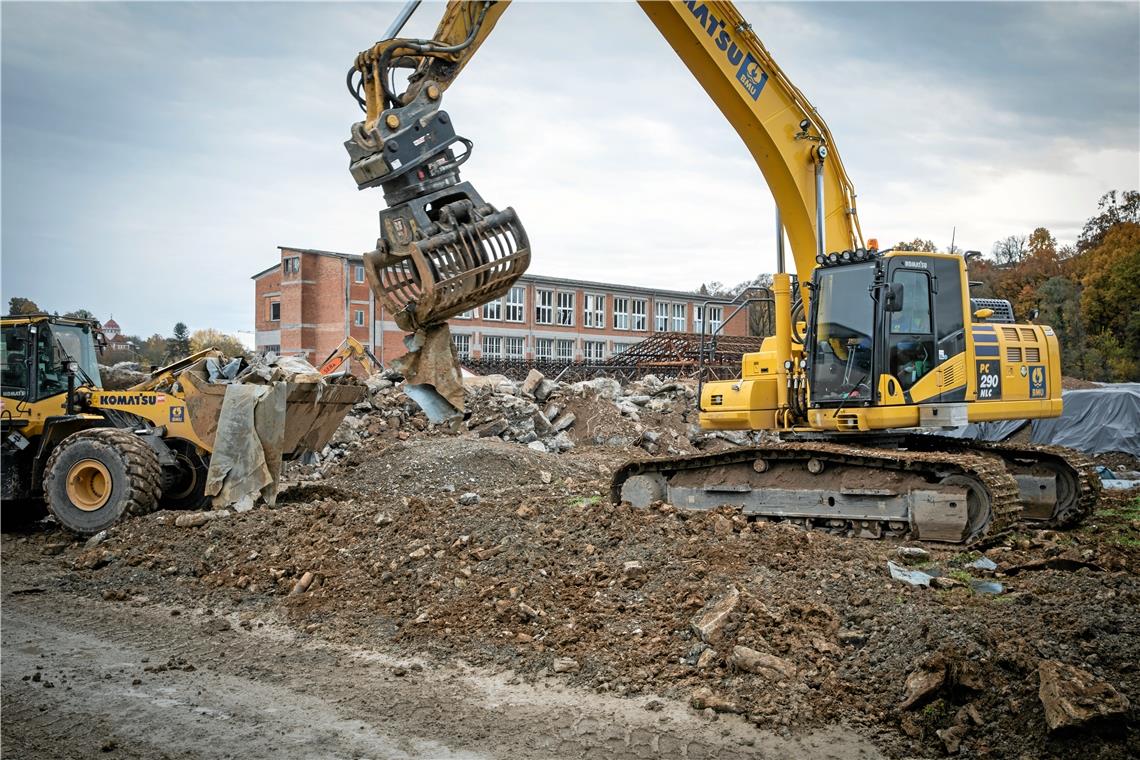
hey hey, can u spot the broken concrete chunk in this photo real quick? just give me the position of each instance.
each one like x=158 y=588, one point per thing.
x=709 y=623
x=195 y=519
x=912 y=555
x=564 y=422
x=1073 y=697
x=566 y=665
x=767 y=665
x=913 y=577
x=704 y=699
x=469 y=499
x=533 y=379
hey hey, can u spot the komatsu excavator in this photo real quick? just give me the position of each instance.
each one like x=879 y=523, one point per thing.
x=873 y=350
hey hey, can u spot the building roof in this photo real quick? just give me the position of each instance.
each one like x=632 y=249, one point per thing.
x=537 y=279
x=111 y=324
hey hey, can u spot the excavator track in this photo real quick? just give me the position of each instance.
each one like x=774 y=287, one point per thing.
x=857 y=491
x=1059 y=487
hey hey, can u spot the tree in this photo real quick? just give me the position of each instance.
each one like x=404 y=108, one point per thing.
x=80 y=314
x=1112 y=213
x=1110 y=300
x=17 y=306
x=178 y=345
x=1010 y=250
x=211 y=338
x=153 y=351
x=1060 y=305
x=918 y=244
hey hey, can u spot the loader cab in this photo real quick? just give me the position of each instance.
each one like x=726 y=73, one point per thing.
x=35 y=351
x=882 y=324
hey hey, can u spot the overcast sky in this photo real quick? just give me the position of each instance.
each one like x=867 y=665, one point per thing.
x=155 y=154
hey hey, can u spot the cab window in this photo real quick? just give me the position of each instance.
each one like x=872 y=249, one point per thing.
x=911 y=346
x=14 y=361
x=914 y=319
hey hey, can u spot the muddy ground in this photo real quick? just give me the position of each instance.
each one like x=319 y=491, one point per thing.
x=448 y=596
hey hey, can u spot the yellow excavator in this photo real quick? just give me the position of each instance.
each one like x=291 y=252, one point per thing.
x=874 y=350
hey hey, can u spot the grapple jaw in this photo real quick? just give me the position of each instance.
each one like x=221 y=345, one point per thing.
x=442 y=249
x=442 y=254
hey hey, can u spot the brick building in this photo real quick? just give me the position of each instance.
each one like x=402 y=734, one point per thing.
x=309 y=301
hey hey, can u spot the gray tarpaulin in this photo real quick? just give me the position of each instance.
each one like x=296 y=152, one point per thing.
x=1094 y=421
x=243 y=466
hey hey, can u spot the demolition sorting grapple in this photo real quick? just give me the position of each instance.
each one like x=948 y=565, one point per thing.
x=442 y=249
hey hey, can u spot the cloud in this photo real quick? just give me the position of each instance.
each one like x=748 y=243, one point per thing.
x=154 y=155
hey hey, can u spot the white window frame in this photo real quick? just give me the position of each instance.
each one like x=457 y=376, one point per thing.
x=639 y=314
x=716 y=318
x=621 y=313
x=594 y=310
x=515 y=304
x=593 y=350
x=620 y=348
x=564 y=349
x=271 y=317
x=565 y=311
x=661 y=316
x=469 y=314
x=514 y=347
x=679 y=317
x=359 y=274
x=544 y=348
x=543 y=307
x=493 y=310
x=358 y=318
x=292 y=265
x=491 y=340
x=462 y=343
x=698 y=318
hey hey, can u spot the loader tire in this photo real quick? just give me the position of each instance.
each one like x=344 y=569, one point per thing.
x=96 y=477
x=186 y=488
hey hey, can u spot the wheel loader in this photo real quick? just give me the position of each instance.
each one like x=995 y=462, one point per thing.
x=91 y=456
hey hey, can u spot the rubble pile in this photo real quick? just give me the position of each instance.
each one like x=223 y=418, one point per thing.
x=646 y=417
x=446 y=547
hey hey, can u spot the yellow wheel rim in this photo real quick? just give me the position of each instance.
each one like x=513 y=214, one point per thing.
x=88 y=485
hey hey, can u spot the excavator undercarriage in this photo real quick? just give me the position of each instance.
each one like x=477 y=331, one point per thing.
x=923 y=487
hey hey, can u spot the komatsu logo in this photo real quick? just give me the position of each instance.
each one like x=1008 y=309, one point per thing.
x=748 y=71
x=110 y=399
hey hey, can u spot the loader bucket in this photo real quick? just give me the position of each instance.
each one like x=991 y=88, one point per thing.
x=472 y=255
x=313 y=412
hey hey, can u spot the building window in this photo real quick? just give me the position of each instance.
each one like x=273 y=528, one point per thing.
x=679 y=317
x=462 y=345
x=544 y=307
x=359 y=273
x=566 y=308
x=492 y=347
x=593 y=350
x=639 y=315
x=716 y=318
x=594 y=310
x=621 y=313
x=660 y=316
x=516 y=302
x=698 y=318
x=469 y=314
x=514 y=347
x=493 y=310
x=274 y=311
x=358 y=319
x=621 y=348
x=566 y=350
x=291 y=265
x=544 y=348
x=271 y=348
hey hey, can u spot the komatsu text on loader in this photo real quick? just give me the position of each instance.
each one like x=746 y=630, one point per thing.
x=873 y=349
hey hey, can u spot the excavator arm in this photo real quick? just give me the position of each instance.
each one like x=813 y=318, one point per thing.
x=787 y=138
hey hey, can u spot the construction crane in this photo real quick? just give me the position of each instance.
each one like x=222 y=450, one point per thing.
x=873 y=349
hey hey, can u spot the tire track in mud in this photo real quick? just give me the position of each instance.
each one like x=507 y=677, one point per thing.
x=216 y=691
